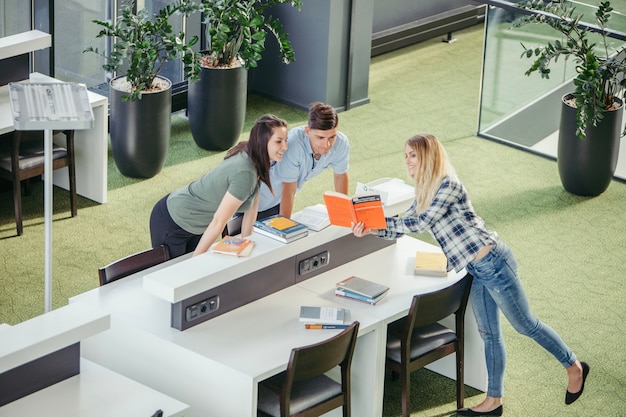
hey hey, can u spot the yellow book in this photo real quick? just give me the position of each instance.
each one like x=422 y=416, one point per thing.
x=431 y=264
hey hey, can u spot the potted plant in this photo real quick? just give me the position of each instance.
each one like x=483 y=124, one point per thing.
x=140 y=99
x=235 y=35
x=591 y=116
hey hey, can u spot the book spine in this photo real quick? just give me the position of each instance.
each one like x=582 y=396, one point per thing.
x=343 y=287
x=222 y=252
x=354 y=296
x=287 y=233
x=270 y=234
x=360 y=199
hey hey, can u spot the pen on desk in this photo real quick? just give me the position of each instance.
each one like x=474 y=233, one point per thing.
x=326 y=326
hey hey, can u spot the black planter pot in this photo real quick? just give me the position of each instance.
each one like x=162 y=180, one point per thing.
x=140 y=132
x=216 y=107
x=586 y=167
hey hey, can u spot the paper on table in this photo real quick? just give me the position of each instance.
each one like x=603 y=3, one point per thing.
x=314 y=217
x=392 y=190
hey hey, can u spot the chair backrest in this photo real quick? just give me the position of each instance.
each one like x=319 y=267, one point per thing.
x=430 y=308
x=133 y=263
x=313 y=360
x=309 y=361
x=233 y=226
x=22 y=158
x=23 y=155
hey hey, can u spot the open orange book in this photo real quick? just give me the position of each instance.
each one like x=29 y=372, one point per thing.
x=344 y=210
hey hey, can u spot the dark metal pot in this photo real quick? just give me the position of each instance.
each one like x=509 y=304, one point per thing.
x=586 y=166
x=216 y=107
x=140 y=132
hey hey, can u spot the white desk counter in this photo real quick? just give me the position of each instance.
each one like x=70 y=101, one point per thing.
x=48 y=333
x=91 y=146
x=210 y=270
x=95 y=392
x=216 y=365
x=393 y=267
x=91 y=392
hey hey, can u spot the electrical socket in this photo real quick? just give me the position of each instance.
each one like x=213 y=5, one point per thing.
x=313 y=263
x=201 y=309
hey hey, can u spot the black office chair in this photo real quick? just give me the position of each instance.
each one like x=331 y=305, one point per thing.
x=417 y=340
x=233 y=226
x=22 y=158
x=133 y=263
x=304 y=390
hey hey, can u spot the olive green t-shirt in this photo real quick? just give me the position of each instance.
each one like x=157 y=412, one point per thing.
x=193 y=206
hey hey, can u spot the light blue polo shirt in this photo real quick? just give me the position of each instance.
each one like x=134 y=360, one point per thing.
x=299 y=165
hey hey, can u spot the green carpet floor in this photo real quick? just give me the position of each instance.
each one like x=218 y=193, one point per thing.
x=571 y=250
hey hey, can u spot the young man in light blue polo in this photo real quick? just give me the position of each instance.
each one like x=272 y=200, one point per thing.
x=312 y=149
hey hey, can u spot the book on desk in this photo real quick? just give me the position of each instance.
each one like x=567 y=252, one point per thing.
x=281 y=228
x=360 y=289
x=234 y=246
x=434 y=264
x=322 y=315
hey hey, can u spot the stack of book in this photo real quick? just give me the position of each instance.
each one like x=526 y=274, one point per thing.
x=235 y=246
x=281 y=228
x=323 y=317
x=360 y=289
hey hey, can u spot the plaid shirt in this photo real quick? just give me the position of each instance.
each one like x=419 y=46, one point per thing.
x=451 y=220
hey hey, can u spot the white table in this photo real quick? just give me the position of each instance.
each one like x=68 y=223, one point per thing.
x=91 y=146
x=95 y=392
x=394 y=267
x=215 y=366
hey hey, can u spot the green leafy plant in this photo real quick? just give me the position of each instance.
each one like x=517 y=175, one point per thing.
x=236 y=32
x=600 y=74
x=146 y=43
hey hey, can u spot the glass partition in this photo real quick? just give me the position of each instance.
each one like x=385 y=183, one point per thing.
x=524 y=111
x=14 y=17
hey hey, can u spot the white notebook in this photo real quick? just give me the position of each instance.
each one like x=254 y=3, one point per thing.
x=323 y=315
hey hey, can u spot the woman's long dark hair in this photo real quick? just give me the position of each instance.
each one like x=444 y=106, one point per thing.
x=256 y=145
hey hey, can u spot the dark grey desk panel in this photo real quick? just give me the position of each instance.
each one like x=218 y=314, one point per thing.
x=255 y=285
x=39 y=373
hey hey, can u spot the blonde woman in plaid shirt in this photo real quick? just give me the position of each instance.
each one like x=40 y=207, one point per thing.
x=442 y=207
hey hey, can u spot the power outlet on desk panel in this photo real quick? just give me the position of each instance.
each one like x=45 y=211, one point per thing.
x=313 y=263
x=202 y=308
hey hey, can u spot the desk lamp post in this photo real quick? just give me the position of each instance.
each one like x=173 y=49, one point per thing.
x=48 y=107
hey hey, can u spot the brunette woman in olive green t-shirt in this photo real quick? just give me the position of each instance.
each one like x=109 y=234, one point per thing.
x=192 y=217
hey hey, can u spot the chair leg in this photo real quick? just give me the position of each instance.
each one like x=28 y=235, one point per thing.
x=15 y=177
x=17 y=205
x=460 y=374
x=69 y=134
x=405 y=377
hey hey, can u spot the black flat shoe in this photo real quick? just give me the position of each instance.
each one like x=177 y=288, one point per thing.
x=570 y=397
x=469 y=412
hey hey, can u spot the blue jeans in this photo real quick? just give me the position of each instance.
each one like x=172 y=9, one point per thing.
x=496 y=287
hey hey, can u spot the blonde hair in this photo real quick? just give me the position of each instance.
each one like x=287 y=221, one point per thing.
x=432 y=166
